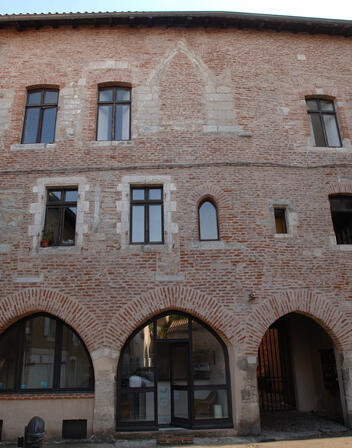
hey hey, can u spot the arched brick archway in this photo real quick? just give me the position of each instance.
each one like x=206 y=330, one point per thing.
x=53 y=302
x=180 y=298
x=300 y=301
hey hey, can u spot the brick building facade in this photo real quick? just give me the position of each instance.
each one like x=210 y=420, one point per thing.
x=195 y=109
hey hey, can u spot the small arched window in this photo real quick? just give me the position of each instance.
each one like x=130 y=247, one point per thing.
x=42 y=354
x=208 y=221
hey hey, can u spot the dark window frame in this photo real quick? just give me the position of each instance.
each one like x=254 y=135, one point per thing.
x=320 y=113
x=146 y=202
x=113 y=103
x=61 y=205
x=342 y=236
x=207 y=199
x=224 y=422
x=56 y=389
x=42 y=106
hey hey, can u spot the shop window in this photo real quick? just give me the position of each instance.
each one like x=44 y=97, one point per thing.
x=40 y=116
x=60 y=217
x=147 y=224
x=114 y=113
x=33 y=360
x=280 y=220
x=208 y=221
x=173 y=371
x=341 y=214
x=323 y=122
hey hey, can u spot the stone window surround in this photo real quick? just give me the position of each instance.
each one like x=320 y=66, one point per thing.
x=38 y=209
x=123 y=207
x=291 y=217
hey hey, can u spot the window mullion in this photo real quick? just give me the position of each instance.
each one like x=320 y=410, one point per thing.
x=57 y=355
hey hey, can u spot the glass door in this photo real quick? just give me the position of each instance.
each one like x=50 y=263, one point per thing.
x=180 y=384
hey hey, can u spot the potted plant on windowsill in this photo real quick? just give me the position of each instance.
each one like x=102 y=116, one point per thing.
x=47 y=238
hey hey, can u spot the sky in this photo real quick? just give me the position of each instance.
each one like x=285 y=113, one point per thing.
x=337 y=9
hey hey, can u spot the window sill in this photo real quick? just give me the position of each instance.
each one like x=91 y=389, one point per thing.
x=58 y=250
x=32 y=146
x=45 y=395
x=215 y=245
x=341 y=247
x=329 y=149
x=147 y=247
x=110 y=143
x=282 y=235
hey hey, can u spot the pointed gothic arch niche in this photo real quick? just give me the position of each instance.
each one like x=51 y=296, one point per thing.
x=297 y=371
x=181 y=94
x=42 y=354
x=173 y=371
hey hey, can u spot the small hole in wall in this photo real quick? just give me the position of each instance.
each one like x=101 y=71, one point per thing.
x=74 y=429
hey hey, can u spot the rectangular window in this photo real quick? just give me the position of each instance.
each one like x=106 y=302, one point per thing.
x=114 y=113
x=147 y=215
x=341 y=214
x=323 y=122
x=60 y=218
x=280 y=220
x=40 y=116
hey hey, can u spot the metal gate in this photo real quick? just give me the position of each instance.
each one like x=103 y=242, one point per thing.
x=275 y=384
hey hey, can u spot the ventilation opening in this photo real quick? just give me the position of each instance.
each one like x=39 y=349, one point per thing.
x=1 y=430
x=280 y=220
x=74 y=429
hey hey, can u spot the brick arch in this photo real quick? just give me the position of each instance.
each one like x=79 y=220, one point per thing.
x=36 y=300
x=340 y=188
x=300 y=301
x=188 y=300
x=208 y=189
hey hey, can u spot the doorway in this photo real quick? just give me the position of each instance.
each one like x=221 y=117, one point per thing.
x=297 y=374
x=173 y=372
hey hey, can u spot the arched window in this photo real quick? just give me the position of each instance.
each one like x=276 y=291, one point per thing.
x=208 y=221
x=173 y=371
x=42 y=354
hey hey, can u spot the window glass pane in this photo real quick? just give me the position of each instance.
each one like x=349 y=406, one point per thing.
x=318 y=134
x=138 y=224
x=210 y=404
x=326 y=105
x=106 y=95
x=122 y=122
x=48 y=125
x=75 y=370
x=68 y=234
x=50 y=97
x=331 y=130
x=71 y=195
x=207 y=357
x=8 y=345
x=173 y=326
x=341 y=214
x=123 y=95
x=138 y=194
x=31 y=124
x=180 y=403
x=136 y=405
x=179 y=364
x=38 y=356
x=54 y=196
x=208 y=226
x=312 y=104
x=155 y=223
x=51 y=228
x=104 y=122
x=280 y=220
x=137 y=364
x=33 y=98
x=154 y=193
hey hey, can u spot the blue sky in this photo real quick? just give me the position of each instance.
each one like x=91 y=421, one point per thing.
x=338 y=9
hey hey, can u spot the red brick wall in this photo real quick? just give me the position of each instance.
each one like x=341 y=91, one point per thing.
x=104 y=292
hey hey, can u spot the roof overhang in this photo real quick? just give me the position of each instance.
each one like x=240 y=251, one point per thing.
x=181 y=19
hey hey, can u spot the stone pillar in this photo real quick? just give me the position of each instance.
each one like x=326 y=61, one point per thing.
x=105 y=370
x=245 y=401
x=346 y=371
